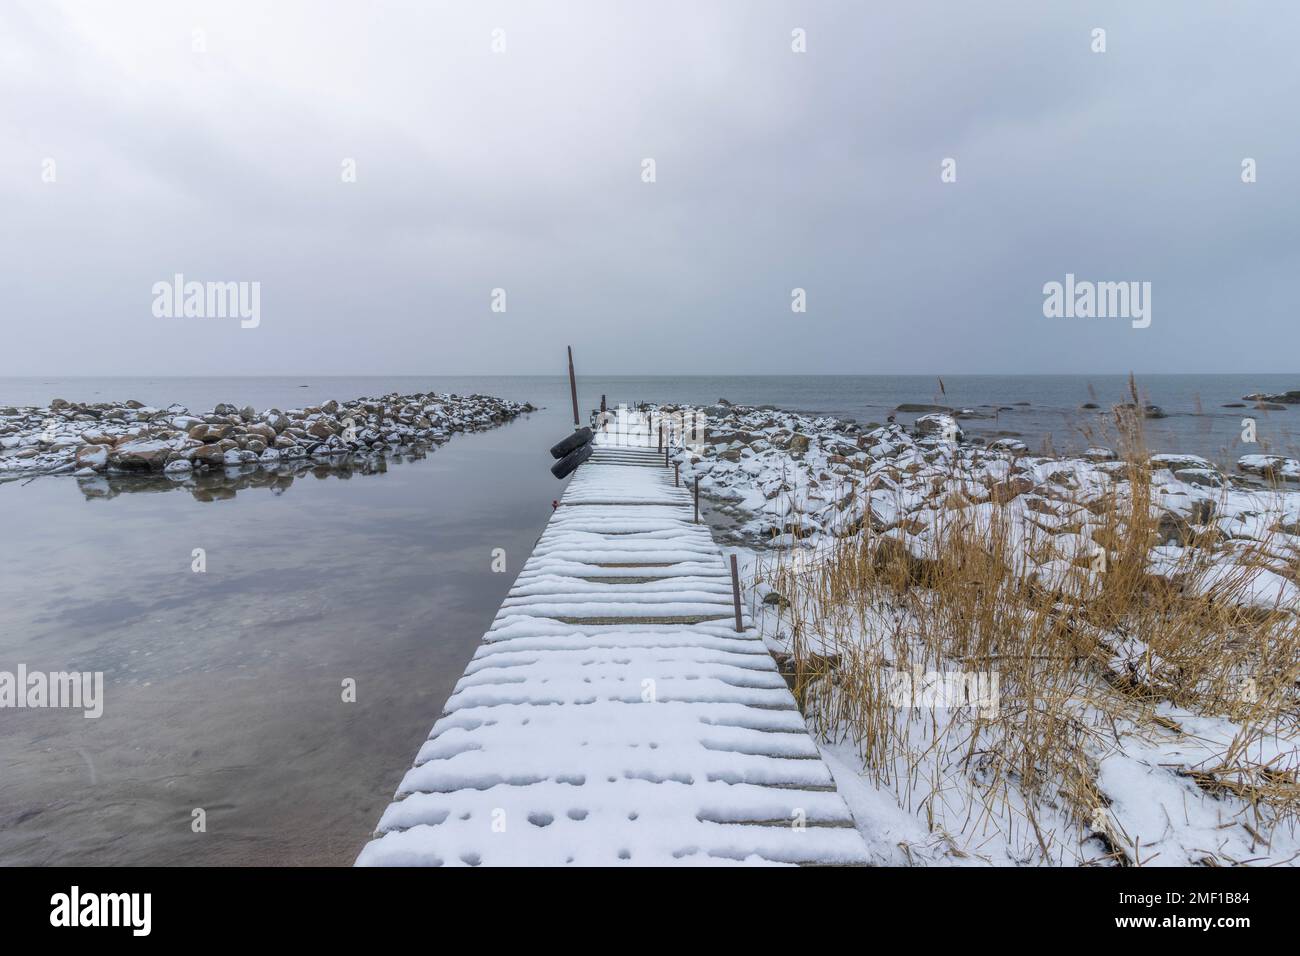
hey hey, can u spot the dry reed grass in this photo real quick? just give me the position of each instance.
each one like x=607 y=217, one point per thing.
x=1076 y=655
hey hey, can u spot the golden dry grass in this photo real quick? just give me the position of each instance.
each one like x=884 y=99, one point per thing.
x=1074 y=655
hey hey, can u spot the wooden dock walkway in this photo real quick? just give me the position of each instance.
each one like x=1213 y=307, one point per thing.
x=613 y=714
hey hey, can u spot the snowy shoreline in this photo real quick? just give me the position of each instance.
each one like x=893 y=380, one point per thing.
x=780 y=478
x=129 y=438
x=1172 y=775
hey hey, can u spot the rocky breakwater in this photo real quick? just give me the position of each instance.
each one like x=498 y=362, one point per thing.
x=1275 y=402
x=782 y=479
x=130 y=438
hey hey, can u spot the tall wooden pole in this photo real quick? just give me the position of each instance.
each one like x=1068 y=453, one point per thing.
x=697 y=499
x=735 y=592
x=573 y=390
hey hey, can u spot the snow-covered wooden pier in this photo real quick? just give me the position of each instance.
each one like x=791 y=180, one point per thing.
x=613 y=713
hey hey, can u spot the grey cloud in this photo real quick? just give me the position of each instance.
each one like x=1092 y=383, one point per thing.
x=521 y=171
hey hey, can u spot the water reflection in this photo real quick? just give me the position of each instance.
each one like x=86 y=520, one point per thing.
x=222 y=688
x=224 y=484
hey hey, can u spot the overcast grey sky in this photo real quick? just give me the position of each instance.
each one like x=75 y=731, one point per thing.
x=522 y=170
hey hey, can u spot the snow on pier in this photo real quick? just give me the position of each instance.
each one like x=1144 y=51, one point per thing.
x=613 y=714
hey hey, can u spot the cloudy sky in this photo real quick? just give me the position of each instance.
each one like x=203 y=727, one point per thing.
x=522 y=170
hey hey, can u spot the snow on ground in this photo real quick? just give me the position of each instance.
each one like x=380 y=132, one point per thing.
x=777 y=480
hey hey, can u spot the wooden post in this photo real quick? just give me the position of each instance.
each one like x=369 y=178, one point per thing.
x=735 y=592
x=697 y=499
x=602 y=403
x=665 y=456
x=677 y=474
x=573 y=390
x=661 y=435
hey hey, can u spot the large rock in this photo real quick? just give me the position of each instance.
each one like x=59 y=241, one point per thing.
x=1148 y=411
x=209 y=454
x=1177 y=462
x=93 y=456
x=210 y=433
x=277 y=420
x=1272 y=467
x=726 y=438
x=938 y=426
x=141 y=455
x=1201 y=477
x=320 y=428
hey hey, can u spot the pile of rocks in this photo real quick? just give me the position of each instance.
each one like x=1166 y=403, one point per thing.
x=1285 y=398
x=780 y=478
x=1273 y=403
x=133 y=438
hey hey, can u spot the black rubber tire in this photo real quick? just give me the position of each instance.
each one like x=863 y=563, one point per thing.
x=579 y=437
x=571 y=461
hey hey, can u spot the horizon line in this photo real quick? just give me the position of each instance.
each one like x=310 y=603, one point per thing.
x=581 y=375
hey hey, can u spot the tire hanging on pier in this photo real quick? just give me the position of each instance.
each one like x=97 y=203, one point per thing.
x=572 y=460
x=580 y=437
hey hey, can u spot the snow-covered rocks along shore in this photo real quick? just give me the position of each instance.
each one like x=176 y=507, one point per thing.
x=1178 y=689
x=779 y=478
x=129 y=438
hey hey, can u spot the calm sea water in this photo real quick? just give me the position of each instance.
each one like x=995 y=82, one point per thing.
x=223 y=689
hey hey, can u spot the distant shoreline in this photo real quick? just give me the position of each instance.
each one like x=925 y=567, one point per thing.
x=1201 y=415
